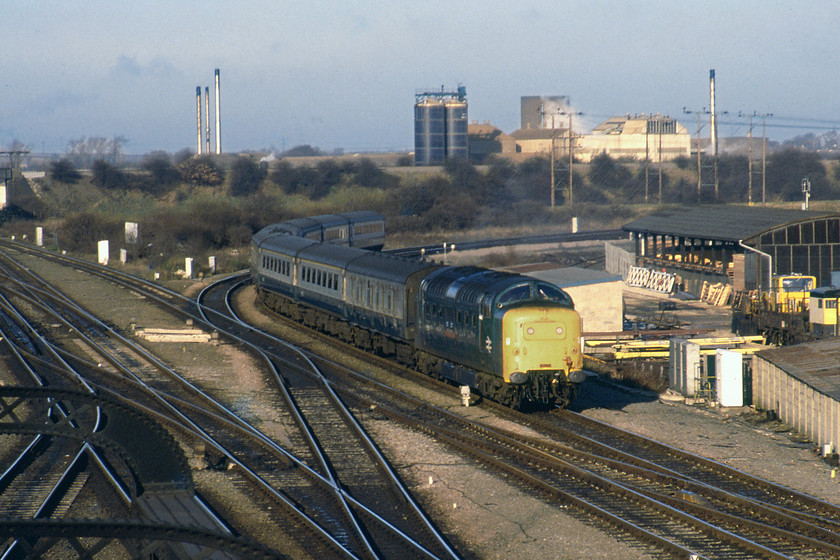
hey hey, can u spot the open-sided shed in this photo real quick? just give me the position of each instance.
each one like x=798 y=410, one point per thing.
x=739 y=245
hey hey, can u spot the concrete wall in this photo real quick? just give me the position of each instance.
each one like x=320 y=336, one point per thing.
x=619 y=257
x=601 y=306
x=797 y=404
x=598 y=295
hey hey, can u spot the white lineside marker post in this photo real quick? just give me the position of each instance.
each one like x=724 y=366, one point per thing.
x=465 y=395
x=102 y=252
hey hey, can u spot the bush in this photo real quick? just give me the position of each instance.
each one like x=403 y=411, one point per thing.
x=244 y=177
x=107 y=176
x=200 y=170
x=64 y=171
x=82 y=232
x=160 y=166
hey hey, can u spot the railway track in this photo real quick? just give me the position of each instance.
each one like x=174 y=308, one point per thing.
x=706 y=506
x=676 y=503
x=153 y=487
x=329 y=509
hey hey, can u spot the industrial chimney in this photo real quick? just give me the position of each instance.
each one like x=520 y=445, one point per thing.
x=218 y=118
x=714 y=115
x=198 y=115
x=207 y=115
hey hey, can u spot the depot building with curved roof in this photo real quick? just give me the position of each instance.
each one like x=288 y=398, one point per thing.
x=740 y=245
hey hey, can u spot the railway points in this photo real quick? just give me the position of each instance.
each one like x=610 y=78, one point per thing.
x=445 y=490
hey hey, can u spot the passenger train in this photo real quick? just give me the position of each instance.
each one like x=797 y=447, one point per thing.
x=364 y=228
x=511 y=338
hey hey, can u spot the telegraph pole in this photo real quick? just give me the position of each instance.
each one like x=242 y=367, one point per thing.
x=764 y=156
x=749 y=163
x=699 y=165
x=647 y=156
x=571 y=151
x=553 y=181
x=553 y=188
x=659 y=126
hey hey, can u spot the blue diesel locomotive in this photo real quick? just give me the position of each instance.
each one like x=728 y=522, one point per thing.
x=510 y=338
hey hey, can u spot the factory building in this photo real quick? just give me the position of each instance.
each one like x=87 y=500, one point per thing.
x=652 y=138
x=641 y=137
x=536 y=110
x=542 y=140
x=485 y=140
x=440 y=126
x=738 y=245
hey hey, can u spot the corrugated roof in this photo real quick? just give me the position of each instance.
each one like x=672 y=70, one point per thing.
x=816 y=364
x=720 y=222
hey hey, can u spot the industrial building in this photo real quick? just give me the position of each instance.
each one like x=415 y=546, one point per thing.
x=801 y=384
x=440 y=126
x=738 y=245
x=652 y=138
x=542 y=140
x=535 y=110
x=485 y=140
x=642 y=137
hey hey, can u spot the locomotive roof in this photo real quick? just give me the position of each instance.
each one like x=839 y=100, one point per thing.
x=469 y=283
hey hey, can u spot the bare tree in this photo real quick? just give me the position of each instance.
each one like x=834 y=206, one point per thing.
x=84 y=151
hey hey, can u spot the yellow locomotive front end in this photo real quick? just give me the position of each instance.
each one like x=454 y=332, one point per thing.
x=541 y=340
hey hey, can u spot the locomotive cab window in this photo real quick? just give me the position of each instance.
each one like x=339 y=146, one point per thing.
x=552 y=293
x=514 y=294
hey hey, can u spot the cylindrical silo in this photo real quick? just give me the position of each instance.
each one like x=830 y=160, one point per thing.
x=456 y=129
x=429 y=132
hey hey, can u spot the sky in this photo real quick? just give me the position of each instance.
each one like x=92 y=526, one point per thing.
x=342 y=75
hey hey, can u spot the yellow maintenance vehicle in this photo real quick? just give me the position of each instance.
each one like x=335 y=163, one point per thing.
x=781 y=314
